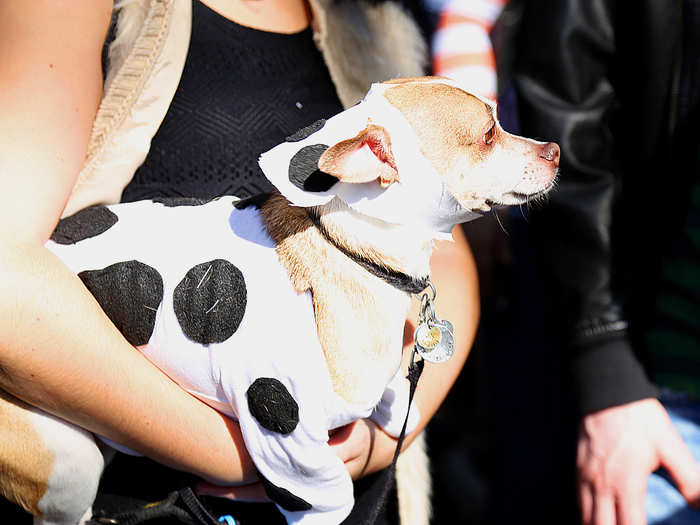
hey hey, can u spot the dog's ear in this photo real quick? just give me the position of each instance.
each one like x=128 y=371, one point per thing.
x=365 y=157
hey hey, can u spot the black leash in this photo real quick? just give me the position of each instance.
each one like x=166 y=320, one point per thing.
x=395 y=278
x=181 y=506
x=415 y=370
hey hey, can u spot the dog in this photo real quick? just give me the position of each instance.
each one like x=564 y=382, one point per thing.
x=287 y=313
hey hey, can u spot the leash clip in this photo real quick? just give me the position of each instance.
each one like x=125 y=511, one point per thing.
x=434 y=338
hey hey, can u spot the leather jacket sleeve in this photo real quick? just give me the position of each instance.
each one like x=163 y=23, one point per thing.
x=562 y=75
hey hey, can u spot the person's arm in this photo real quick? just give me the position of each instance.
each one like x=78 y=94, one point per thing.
x=58 y=350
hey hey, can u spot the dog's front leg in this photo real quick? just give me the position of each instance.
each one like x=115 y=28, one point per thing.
x=48 y=466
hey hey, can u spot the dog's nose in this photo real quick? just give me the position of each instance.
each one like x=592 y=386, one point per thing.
x=550 y=152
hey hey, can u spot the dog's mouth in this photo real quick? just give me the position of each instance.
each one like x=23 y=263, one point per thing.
x=511 y=198
x=516 y=197
x=523 y=197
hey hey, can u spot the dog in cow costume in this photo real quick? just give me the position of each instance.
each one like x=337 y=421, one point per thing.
x=288 y=315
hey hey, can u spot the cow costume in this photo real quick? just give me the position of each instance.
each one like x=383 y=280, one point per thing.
x=198 y=288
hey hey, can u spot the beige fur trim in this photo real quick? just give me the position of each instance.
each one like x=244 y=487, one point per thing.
x=146 y=60
x=142 y=31
x=364 y=43
x=130 y=18
x=414 y=484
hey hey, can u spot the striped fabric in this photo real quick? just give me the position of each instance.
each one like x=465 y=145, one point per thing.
x=462 y=47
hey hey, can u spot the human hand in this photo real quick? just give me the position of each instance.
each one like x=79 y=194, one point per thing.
x=617 y=450
x=354 y=443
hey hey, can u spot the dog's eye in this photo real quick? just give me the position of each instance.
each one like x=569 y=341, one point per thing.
x=488 y=136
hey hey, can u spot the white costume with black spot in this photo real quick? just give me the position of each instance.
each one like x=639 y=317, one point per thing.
x=276 y=338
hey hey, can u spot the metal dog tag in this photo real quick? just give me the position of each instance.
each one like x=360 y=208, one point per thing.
x=434 y=341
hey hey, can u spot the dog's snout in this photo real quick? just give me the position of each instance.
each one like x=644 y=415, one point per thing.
x=550 y=152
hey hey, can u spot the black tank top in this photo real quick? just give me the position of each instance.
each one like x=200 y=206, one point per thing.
x=242 y=92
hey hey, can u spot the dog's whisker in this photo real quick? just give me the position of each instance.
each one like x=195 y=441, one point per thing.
x=498 y=220
x=522 y=212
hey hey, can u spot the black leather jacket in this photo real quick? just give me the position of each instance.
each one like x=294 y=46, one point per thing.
x=598 y=77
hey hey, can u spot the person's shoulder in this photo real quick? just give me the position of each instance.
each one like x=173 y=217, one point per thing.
x=88 y=17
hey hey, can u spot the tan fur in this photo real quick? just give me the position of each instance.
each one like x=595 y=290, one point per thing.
x=449 y=122
x=358 y=337
x=412 y=80
x=25 y=464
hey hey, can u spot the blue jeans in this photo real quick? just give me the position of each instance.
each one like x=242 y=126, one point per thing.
x=664 y=505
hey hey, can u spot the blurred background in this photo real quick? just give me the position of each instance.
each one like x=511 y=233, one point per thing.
x=503 y=444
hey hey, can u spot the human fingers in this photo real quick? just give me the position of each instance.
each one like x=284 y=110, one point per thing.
x=347 y=441
x=629 y=507
x=683 y=467
x=253 y=492
x=603 y=509
x=353 y=444
x=585 y=501
x=595 y=477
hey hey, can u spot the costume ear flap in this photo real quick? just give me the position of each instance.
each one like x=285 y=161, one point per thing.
x=363 y=158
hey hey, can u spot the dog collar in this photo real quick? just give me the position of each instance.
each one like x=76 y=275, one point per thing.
x=399 y=280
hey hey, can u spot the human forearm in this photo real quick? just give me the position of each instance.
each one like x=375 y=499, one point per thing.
x=59 y=351
x=455 y=279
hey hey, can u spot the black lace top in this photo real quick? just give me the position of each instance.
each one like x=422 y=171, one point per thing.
x=242 y=92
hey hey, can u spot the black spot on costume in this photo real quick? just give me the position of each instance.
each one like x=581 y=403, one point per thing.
x=84 y=224
x=306 y=131
x=210 y=301
x=173 y=202
x=256 y=201
x=304 y=172
x=283 y=497
x=272 y=405
x=129 y=293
